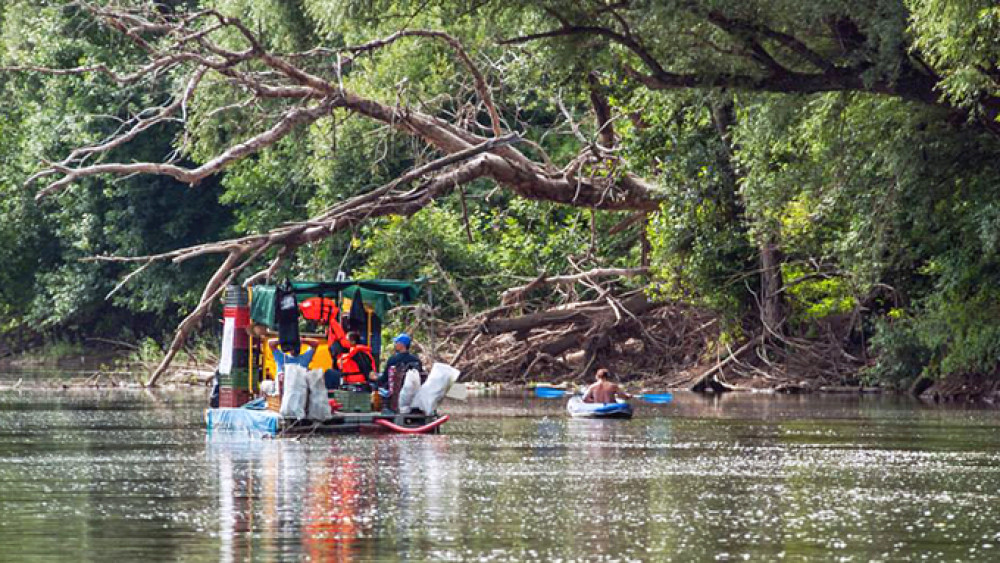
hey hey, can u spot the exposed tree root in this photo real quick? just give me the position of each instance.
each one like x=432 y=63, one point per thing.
x=963 y=389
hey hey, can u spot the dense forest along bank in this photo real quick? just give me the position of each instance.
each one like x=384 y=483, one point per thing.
x=699 y=194
x=130 y=475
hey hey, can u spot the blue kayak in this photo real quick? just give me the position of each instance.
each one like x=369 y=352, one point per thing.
x=578 y=409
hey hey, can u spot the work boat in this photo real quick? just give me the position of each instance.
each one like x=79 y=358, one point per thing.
x=251 y=397
x=579 y=409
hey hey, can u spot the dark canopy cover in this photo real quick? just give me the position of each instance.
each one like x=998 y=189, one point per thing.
x=380 y=294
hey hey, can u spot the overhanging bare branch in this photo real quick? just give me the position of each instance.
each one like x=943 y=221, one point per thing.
x=291 y=120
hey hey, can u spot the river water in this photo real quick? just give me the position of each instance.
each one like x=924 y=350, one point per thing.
x=131 y=475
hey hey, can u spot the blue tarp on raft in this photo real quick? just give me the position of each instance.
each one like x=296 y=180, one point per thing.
x=242 y=420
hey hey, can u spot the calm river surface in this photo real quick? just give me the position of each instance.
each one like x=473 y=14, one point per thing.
x=131 y=475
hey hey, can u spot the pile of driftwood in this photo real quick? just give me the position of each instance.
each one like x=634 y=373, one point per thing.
x=664 y=344
x=634 y=338
x=568 y=340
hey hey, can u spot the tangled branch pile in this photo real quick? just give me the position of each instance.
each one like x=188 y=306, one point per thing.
x=632 y=336
x=611 y=327
x=664 y=344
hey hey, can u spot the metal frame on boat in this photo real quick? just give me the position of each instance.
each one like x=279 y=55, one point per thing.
x=368 y=423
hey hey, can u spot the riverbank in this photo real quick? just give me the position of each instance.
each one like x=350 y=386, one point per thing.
x=63 y=378
x=103 y=363
x=122 y=365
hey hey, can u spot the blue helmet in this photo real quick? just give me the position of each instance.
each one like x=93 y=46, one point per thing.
x=403 y=339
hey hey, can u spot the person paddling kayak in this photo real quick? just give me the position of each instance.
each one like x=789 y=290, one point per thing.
x=604 y=390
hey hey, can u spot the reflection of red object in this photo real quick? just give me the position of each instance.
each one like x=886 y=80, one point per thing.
x=335 y=405
x=418 y=430
x=323 y=310
x=337 y=495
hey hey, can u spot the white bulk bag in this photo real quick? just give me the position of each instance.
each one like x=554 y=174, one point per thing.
x=319 y=402
x=296 y=387
x=411 y=385
x=433 y=390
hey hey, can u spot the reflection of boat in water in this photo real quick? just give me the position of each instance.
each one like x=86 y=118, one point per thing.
x=327 y=499
x=578 y=409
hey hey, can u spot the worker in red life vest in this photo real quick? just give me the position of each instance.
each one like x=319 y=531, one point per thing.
x=356 y=367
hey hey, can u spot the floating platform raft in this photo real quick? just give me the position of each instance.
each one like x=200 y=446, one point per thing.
x=267 y=422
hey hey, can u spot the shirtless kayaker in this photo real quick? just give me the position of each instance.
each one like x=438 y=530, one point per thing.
x=603 y=390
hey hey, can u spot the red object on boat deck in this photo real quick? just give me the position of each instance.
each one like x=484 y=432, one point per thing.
x=236 y=316
x=233 y=398
x=418 y=430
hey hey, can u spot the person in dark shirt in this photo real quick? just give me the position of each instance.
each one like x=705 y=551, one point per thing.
x=392 y=377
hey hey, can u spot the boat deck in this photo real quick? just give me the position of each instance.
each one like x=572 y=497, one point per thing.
x=361 y=422
x=269 y=422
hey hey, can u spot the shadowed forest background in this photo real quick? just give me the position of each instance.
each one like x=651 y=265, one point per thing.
x=778 y=191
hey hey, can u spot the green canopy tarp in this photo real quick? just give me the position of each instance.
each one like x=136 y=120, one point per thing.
x=381 y=295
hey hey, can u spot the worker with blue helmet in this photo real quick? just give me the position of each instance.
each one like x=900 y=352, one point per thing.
x=395 y=370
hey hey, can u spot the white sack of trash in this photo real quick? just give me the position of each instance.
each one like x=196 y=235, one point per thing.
x=304 y=394
x=411 y=385
x=441 y=378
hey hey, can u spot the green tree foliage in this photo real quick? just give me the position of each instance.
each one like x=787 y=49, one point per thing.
x=511 y=244
x=45 y=285
x=859 y=137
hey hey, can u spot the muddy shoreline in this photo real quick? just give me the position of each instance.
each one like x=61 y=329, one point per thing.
x=111 y=370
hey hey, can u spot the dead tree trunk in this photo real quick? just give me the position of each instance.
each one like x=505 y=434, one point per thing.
x=772 y=303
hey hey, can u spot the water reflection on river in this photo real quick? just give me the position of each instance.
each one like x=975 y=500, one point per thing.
x=130 y=475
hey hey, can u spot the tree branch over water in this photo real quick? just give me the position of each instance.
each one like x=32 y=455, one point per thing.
x=312 y=97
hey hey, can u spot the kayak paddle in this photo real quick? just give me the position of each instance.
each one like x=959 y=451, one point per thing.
x=550 y=393
x=553 y=393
